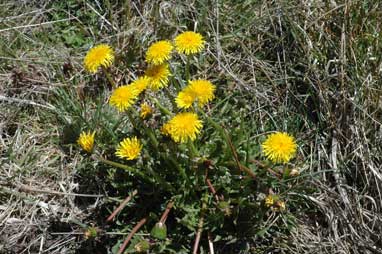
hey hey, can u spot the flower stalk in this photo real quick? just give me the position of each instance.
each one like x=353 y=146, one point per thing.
x=230 y=145
x=121 y=166
x=162 y=108
x=109 y=78
x=187 y=71
x=121 y=206
x=130 y=236
x=200 y=224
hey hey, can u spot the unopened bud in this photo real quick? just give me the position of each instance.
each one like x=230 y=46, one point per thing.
x=294 y=172
x=91 y=232
x=224 y=207
x=142 y=246
x=159 y=231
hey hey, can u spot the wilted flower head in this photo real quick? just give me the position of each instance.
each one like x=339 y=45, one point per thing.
x=159 y=52
x=183 y=127
x=279 y=206
x=158 y=75
x=275 y=203
x=146 y=110
x=165 y=129
x=123 y=97
x=279 y=147
x=189 y=43
x=101 y=55
x=86 y=141
x=129 y=148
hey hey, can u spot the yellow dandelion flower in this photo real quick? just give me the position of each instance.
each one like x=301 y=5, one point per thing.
x=279 y=147
x=185 y=98
x=274 y=202
x=101 y=55
x=159 y=52
x=203 y=90
x=197 y=90
x=146 y=110
x=165 y=129
x=123 y=97
x=189 y=43
x=269 y=201
x=183 y=127
x=158 y=75
x=86 y=141
x=129 y=148
x=140 y=84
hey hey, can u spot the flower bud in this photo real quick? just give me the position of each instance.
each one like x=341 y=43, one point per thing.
x=91 y=232
x=159 y=231
x=224 y=207
x=142 y=246
x=294 y=172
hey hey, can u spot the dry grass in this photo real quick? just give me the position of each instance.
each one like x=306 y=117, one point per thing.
x=308 y=66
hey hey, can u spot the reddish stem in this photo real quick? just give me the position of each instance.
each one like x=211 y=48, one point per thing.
x=200 y=227
x=236 y=157
x=132 y=233
x=197 y=240
x=165 y=213
x=212 y=189
x=121 y=206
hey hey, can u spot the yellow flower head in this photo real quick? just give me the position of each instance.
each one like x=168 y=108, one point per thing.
x=159 y=52
x=146 y=110
x=86 y=141
x=197 y=90
x=140 y=84
x=274 y=202
x=183 y=127
x=101 y=55
x=165 y=129
x=123 y=97
x=185 y=98
x=129 y=148
x=269 y=201
x=279 y=147
x=158 y=75
x=189 y=43
x=203 y=90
